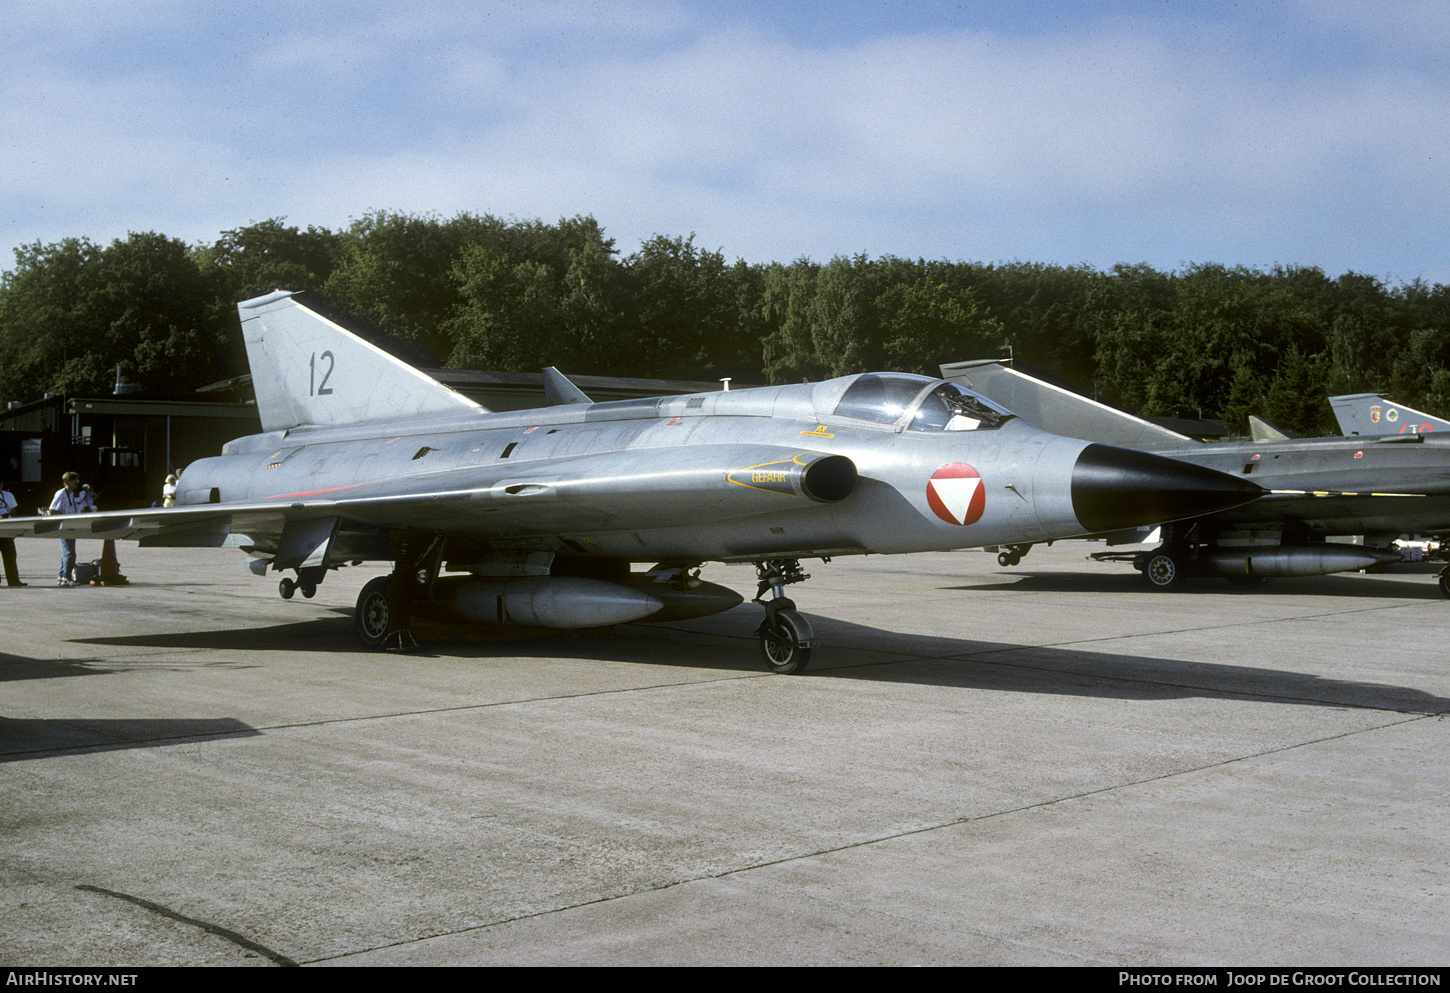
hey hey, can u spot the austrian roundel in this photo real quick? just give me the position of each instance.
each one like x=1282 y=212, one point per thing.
x=955 y=494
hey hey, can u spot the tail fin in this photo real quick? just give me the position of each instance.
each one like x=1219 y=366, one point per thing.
x=308 y=370
x=1262 y=430
x=558 y=391
x=1370 y=414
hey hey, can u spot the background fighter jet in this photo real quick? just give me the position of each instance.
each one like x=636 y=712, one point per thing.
x=532 y=518
x=1377 y=487
x=1369 y=415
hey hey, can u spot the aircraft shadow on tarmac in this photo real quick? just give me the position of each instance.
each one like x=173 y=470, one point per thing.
x=1364 y=587
x=855 y=651
x=327 y=633
x=16 y=667
x=22 y=739
x=1009 y=668
x=31 y=738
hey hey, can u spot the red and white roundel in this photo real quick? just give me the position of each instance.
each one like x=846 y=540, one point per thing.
x=955 y=494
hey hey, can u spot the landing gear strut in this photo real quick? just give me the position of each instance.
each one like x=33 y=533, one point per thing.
x=786 y=638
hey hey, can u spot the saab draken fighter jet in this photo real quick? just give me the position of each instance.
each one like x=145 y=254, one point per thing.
x=1379 y=487
x=532 y=518
x=1370 y=415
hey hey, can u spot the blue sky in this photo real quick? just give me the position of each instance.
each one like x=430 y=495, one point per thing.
x=1303 y=132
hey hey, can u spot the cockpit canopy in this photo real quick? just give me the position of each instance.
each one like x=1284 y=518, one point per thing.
x=927 y=404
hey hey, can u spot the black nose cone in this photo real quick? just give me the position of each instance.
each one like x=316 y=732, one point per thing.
x=1116 y=488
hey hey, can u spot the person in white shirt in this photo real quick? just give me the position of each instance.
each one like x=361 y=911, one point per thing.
x=69 y=500
x=7 y=545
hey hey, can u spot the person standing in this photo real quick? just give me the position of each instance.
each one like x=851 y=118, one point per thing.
x=68 y=500
x=7 y=545
x=168 y=492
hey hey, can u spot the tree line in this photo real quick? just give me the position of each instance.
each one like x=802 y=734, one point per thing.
x=476 y=291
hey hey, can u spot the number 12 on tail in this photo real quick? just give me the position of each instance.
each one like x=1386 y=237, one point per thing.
x=314 y=388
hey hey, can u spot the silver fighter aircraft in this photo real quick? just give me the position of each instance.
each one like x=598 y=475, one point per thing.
x=533 y=518
x=1378 y=487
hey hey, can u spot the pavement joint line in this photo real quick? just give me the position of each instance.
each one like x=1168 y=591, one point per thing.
x=868 y=842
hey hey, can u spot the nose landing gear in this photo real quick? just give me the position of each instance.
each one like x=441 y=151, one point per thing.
x=307 y=579
x=786 y=638
x=1012 y=554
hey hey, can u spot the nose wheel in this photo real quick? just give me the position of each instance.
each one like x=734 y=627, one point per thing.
x=1012 y=554
x=305 y=583
x=785 y=641
x=786 y=638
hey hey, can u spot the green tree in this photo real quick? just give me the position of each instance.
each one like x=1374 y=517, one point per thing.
x=71 y=312
x=787 y=303
x=270 y=255
x=511 y=315
x=685 y=314
x=532 y=295
x=47 y=337
x=926 y=322
x=1297 y=399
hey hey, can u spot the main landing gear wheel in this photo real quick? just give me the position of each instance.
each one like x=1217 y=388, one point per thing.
x=786 y=644
x=375 y=616
x=1445 y=581
x=1165 y=568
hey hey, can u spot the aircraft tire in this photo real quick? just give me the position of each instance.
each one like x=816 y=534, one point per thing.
x=1164 y=569
x=1445 y=581
x=781 y=646
x=1004 y=559
x=375 y=617
x=286 y=588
